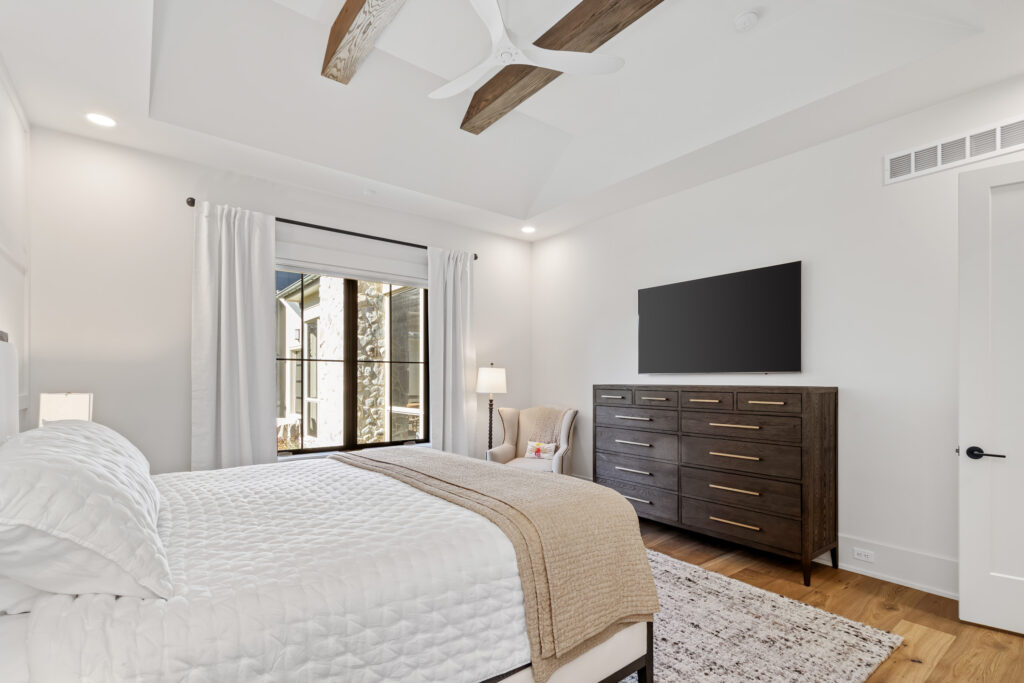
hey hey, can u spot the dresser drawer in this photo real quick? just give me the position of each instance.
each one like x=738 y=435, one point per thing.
x=766 y=495
x=643 y=444
x=748 y=525
x=766 y=427
x=648 y=502
x=638 y=418
x=658 y=473
x=656 y=398
x=769 y=403
x=705 y=400
x=613 y=397
x=740 y=456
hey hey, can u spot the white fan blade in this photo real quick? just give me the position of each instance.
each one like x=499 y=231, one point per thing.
x=579 y=63
x=465 y=81
x=490 y=14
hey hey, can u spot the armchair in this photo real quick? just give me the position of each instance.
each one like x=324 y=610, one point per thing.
x=545 y=424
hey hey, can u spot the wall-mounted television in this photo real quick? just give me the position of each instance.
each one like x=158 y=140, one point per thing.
x=741 y=322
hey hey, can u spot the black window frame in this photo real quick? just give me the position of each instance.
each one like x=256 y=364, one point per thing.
x=350 y=322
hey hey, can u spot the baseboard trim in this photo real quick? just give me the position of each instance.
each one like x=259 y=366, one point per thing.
x=923 y=571
x=928 y=572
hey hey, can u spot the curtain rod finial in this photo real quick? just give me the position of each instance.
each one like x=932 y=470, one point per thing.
x=191 y=201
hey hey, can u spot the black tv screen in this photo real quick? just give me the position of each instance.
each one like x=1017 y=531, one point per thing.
x=741 y=322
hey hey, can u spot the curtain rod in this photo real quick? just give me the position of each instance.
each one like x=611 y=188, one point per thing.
x=191 y=201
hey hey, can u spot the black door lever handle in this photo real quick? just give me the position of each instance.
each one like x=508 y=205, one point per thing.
x=977 y=453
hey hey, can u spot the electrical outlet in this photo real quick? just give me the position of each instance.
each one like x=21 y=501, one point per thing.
x=863 y=555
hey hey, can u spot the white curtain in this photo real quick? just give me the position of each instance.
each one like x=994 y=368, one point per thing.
x=233 y=382
x=452 y=352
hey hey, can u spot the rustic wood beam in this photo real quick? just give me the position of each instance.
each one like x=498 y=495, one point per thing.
x=359 y=24
x=585 y=28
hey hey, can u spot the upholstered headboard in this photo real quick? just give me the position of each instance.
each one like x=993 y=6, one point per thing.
x=8 y=389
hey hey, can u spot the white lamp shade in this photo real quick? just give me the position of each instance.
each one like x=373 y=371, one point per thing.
x=491 y=381
x=53 y=407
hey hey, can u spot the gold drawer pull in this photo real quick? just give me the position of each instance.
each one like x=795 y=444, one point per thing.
x=630 y=417
x=729 y=488
x=626 y=469
x=768 y=403
x=653 y=398
x=733 y=455
x=639 y=500
x=705 y=400
x=722 y=424
x=726 y=521
x=607 y=396
x=633 y=443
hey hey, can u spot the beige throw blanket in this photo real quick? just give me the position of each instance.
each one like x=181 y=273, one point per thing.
x=581 y=560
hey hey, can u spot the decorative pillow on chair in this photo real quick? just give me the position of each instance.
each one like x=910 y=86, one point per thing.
x=536 y=449
x=78 y=513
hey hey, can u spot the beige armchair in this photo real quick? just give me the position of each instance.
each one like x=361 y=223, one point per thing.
x=543 y=423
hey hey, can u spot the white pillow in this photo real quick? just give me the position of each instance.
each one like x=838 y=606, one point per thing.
x=78 y=513
x=16 y=597
x=536 y=449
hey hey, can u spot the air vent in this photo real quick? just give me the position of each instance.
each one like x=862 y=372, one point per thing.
x=1012 y=135
x=983 y=142
x=977 y=145
x=954 y=150
x=900 y=166
x=926 y=158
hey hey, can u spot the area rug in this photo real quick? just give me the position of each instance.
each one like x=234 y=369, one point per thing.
x=712 y=628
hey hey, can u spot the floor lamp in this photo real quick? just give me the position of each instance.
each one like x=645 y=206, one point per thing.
x=491 y=381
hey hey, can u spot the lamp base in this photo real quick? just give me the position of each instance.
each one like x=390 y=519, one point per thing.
x=490 y=423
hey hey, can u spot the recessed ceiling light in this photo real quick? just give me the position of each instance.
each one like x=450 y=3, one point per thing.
x=746 y=21
x=528 y=229
x=101 y=120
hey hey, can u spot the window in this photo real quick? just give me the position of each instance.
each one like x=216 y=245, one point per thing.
x=351 y=363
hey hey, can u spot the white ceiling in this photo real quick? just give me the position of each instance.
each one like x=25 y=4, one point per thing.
x=236 y=84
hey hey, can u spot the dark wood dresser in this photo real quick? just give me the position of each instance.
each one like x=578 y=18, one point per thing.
x=753 y=465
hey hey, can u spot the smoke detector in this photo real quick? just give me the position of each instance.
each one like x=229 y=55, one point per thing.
x=745 y=21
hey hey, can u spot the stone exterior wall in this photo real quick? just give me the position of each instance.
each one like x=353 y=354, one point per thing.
x=371 y=411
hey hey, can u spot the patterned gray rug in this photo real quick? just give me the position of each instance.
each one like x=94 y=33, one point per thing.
x=712 y=628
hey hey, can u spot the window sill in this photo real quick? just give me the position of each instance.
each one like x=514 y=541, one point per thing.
x=324 y=454
x=305 y=456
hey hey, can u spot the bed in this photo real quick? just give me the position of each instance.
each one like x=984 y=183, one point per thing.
x=314 y=570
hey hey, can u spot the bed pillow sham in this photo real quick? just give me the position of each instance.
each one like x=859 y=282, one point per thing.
x=536 y=449
x=78 y=513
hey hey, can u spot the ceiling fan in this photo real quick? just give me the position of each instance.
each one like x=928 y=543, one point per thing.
x=507 y=49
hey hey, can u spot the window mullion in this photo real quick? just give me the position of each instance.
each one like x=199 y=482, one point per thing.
x=351 y=362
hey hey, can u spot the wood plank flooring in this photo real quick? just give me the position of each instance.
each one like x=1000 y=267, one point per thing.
x=937 y=646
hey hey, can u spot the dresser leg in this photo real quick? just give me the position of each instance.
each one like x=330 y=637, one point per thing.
x=835 y=557
x=806 y=562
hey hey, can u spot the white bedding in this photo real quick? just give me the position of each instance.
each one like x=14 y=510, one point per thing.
x=302 y=571
x=13 y=665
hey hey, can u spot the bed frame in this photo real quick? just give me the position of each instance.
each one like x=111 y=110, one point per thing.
x=642 y=666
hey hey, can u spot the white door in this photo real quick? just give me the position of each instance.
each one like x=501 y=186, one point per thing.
x=991 y=219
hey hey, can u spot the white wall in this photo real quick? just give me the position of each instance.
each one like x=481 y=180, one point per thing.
x=14 y=151
x=880 y=314
x=111 y=280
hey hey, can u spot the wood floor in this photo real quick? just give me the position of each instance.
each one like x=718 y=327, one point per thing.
x=936 y=647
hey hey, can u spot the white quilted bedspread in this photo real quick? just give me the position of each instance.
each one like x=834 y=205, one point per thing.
x=303 y=571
